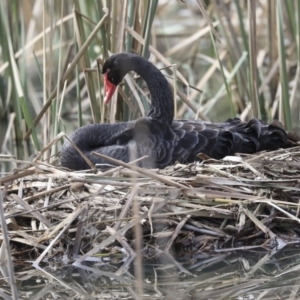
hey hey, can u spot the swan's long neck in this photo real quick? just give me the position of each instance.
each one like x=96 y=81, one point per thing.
x=162 y=105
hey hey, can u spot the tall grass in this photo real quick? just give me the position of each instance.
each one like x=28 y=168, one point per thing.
x=52 y=53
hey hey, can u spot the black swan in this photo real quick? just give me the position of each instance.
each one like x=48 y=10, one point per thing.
x=157 y=135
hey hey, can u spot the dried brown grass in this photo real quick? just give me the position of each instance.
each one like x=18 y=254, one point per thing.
x=214 y=208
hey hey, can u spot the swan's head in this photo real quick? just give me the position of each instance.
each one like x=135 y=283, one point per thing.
x=114 y=70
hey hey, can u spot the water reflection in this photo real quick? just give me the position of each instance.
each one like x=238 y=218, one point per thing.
x=256 y=274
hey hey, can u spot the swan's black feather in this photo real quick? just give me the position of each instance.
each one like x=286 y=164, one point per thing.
x=164 y=145
x=158 y=136
x=154 y=139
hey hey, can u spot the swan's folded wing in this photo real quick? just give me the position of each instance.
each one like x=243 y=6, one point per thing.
x=221 y=139
x=156 y=140
x=192 y=138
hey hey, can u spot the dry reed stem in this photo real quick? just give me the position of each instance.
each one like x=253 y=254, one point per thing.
x=6 y=248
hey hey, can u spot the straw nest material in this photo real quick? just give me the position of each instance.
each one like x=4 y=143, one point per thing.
x=183 y=213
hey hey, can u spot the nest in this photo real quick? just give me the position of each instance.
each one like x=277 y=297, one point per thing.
x=181 y=222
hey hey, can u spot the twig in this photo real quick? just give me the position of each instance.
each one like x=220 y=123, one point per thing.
x=141 y=170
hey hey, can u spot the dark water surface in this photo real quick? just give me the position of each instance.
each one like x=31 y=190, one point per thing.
x=257 y=274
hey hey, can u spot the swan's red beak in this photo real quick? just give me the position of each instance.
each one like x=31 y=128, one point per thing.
x=109 y=89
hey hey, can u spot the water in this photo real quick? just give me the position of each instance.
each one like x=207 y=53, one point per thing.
x=257 y=274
